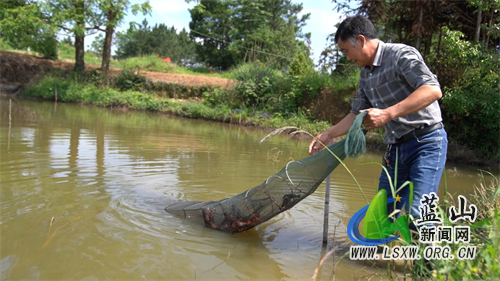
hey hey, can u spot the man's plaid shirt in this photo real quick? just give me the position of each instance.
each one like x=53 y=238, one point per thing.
x=397 y=71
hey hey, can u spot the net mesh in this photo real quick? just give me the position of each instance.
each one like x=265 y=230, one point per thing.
x=278 y=193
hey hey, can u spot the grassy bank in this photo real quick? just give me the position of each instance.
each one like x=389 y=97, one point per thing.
x=72 y=90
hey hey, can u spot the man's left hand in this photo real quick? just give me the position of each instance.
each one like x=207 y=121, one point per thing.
x=376 y=118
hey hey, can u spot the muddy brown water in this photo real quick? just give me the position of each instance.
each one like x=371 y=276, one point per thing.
x=83 y=191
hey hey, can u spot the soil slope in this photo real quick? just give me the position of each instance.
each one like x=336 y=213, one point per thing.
x=17 y=68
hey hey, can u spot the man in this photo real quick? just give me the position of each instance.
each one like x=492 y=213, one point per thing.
x=399 y=92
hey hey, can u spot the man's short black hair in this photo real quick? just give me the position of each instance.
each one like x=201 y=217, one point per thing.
x=351 y=27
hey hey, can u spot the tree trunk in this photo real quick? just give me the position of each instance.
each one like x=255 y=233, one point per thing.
x=478 y=24
x=439 y=43
x=488 y=37
x=400 y=33
x=419 y=29
x=79 y=39
x=79 y=53
x=428 y=42
x=106 y=49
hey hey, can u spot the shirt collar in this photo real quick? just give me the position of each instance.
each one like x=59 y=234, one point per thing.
x=378 y=56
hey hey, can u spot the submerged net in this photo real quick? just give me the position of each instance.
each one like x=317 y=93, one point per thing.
x=279 y=192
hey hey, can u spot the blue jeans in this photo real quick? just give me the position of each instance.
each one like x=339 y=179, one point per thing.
x=420 y=160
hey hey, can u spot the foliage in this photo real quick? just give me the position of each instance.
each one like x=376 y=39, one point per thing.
x=5 y=45
x=70 y=90
x=415 y=22
x=127 y=80
x=77 y=17
x=22 y=24
x=96 y=47
x=471 y=102
x=472 y=111
x=115 y=11
x=142 y=40
x=255 y=85
x=234 y=32
x=455 y=56
x=148 y=63
x=210 y=24
x=485 y=265
x=38 y=21
x=263 y=88
x=299 y=65
x=67 y=41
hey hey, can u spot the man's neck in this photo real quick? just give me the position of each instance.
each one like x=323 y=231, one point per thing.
x=372 y=46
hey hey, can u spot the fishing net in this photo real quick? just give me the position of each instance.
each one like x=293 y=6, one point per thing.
x=278 y=193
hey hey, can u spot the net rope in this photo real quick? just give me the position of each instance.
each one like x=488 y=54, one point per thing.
x=279 y=192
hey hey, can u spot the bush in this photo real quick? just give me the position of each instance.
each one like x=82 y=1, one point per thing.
x=128 y=80
x=5 y=45
x=148 y=63
x=470 y=78
x=256 y=84
x=299 y=65
x=472 y=111
x=48 y=86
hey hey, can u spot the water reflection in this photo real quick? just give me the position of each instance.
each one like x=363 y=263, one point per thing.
x=83 y=191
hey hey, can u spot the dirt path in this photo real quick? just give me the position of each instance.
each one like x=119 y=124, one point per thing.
x=17 y=68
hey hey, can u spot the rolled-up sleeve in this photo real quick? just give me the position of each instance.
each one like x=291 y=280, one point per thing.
x=413 y=68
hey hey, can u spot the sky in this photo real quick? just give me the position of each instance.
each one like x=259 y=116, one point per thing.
x=175 y=13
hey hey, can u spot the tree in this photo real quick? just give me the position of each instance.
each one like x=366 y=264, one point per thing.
x=270 y=31
x=460 y=42
x=97 y=44
x=419 y=23
x=133 y=42
x=299 y=65
x=140 y=40
x=115 y=11
x=232 y=32
x=210 y=25
x=24 y=24
x=79 y=17
x=67 y=41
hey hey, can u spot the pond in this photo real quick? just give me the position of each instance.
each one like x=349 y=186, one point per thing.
x=83 y=191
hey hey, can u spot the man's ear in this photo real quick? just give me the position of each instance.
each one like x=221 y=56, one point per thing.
x=361 y=40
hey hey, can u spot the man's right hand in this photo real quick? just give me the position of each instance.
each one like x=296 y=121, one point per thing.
x=317 y=143
x=338 y=130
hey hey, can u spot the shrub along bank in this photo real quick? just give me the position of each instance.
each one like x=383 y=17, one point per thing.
x=132 y=91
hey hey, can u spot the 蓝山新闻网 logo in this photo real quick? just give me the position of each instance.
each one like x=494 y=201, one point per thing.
x=377 y=227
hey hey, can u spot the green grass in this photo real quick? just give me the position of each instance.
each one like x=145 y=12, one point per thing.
x=69 y=89
x=278 y=94
x=4 y=45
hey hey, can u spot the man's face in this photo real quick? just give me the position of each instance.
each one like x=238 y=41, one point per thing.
x=354 y=54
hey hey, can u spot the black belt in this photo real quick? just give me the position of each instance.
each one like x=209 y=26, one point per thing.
x=419 y=132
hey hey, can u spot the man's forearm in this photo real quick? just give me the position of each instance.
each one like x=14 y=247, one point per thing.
x=339 y=129
x=342 y=127
x=419 y=99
